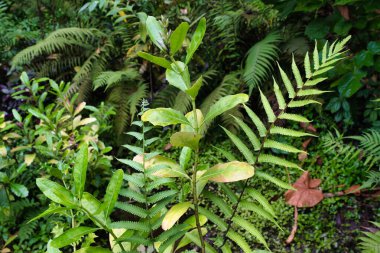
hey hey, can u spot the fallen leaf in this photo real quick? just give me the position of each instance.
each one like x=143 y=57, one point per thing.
x=305 y=194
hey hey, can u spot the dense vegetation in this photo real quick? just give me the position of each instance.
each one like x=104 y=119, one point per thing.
x=189 y=126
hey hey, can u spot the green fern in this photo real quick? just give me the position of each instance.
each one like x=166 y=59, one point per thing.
x=259 y=60
x=264 y=139
x=144 y=202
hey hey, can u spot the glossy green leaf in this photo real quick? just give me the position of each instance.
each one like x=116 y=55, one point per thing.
x=71 y=235
x=112 y=192
x=229 y=172
x=194 y=89
x=174 y=214
x=155 y=59
x=156 y=32
x=224 y=104
x=56 y=192
x=164 y=117
x=93 y=206
x=196 y=39
x=178 y=76
x=185 y=139
x=80 y=170
x=279 y=96
x=177 y=37
x=287 y=83
x=53 y=209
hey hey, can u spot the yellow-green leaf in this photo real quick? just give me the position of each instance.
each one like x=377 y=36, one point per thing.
x=164 y=117
x=229 y=172
x=174 y=214
x=29 y=158
x=177 y=37
x=185 y=139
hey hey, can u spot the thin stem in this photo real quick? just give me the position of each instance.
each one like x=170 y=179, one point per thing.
x=104 y=226
x=145 y=188
x=194 y=183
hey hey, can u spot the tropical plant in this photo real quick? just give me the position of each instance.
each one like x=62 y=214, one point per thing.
x=39 y=139
x=72 y=200
x=190 y=134
x=298 y=97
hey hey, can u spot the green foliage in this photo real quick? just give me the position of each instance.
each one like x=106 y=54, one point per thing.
x=371 y=241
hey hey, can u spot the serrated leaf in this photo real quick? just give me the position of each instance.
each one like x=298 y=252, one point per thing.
x=279 y=96
x=307 y=65
x=324 y=52
x=312 y=82
x=310 y=92
x=301 y=103
x=287 y=83
x=224 y=104
x=156 y=32
x=281 y=146
x=71 y=235
x=256 y=120
x=265 y=158
x=250 y=134
x=229 y=172
x=196 y=39
x=185 y=139
x=164 y=117
x=239 y=240
x=241 y=146
x=274 y=180
x=135 y=165
x=174 y=214
x=134 y=149
x=296 y=73
x=262 y=200
x=288 y=132
x=177 y=37
x=316 y=56
x=80 y=169
x=56 y=192
x=294 y=117
x=137 y=135
x=91 y=249
x=112 y=192
x=267 y=108
x=322 y=70
x=130 y=208
x=249 y=227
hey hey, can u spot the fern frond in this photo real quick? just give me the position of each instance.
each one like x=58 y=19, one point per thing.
x=134 y=195
x=266 y=158
x=259 y=60
x=251 y=229
x=262 y=200
x=223 y=206
x=138 y=226
x=239 y=240
x=241 y=146
x=132 y=209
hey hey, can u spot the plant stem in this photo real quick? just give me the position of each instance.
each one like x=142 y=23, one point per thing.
x=194 y=183
x=104 y=226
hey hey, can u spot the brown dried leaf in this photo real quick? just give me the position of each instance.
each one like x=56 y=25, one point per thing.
x=305 y=194
x=294 y=228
